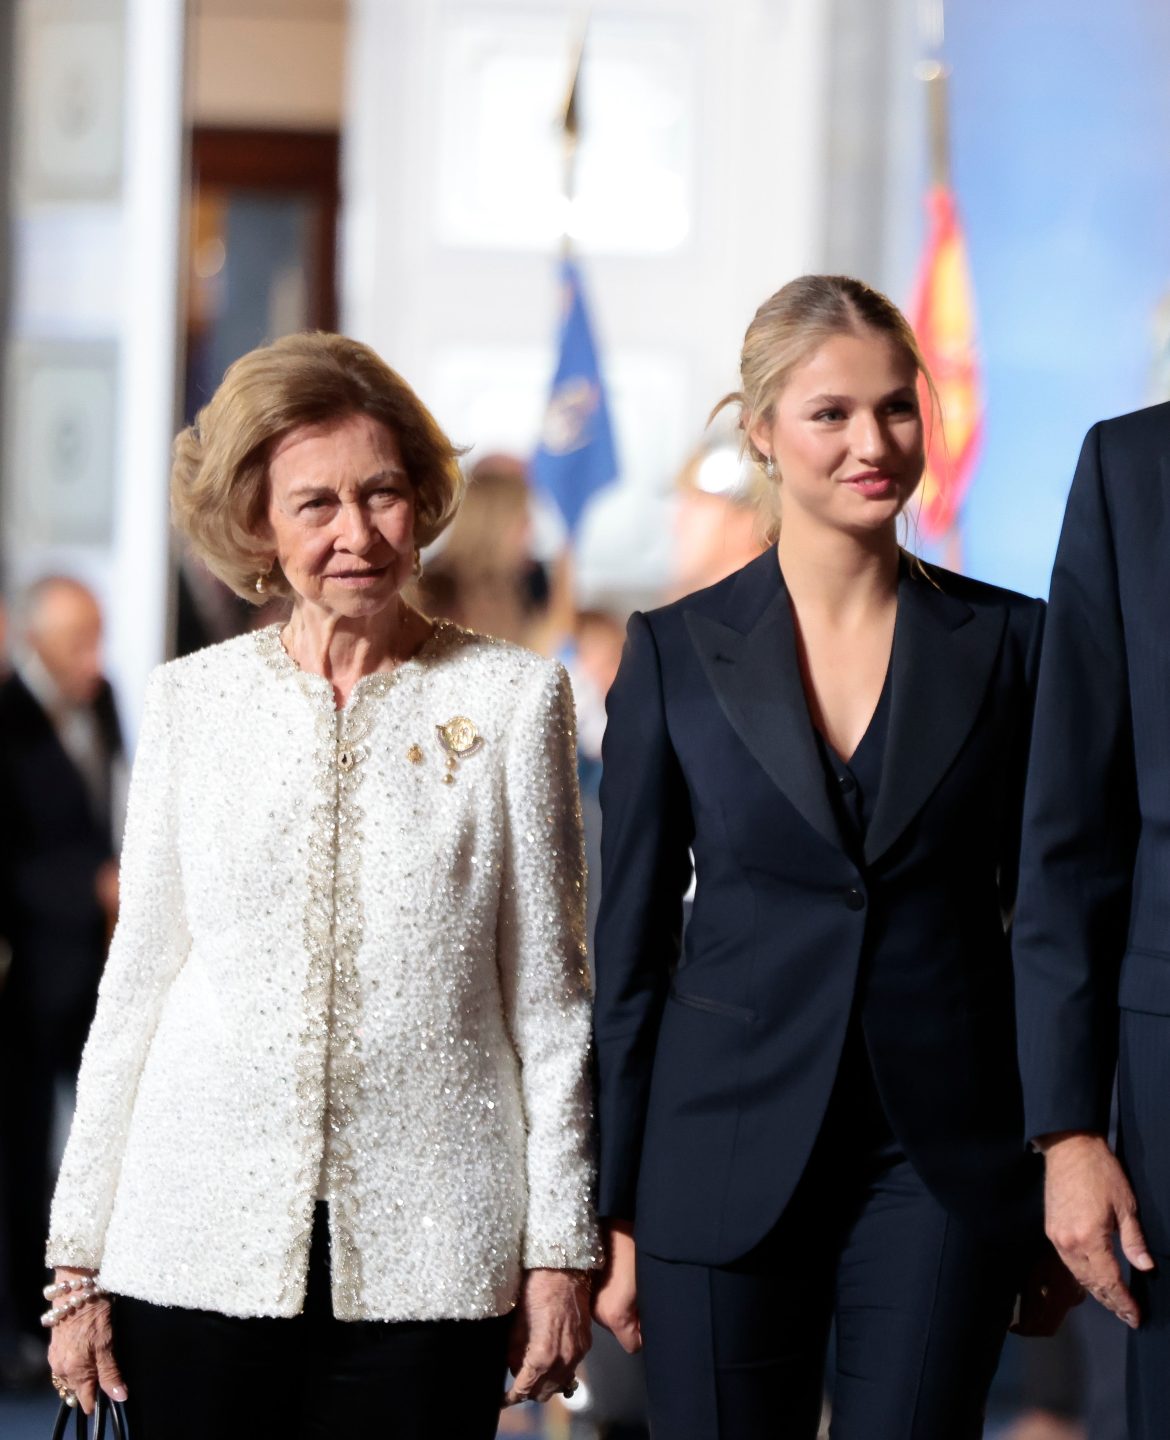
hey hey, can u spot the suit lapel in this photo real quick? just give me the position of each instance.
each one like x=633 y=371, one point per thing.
x=754 y=671
x=36 y=729
x=943 y=656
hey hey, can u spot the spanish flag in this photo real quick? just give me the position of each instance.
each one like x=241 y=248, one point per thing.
x=943 y=317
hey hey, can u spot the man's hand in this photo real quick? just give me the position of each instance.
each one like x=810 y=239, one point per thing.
x=1087 y=1199
x=615 y=1297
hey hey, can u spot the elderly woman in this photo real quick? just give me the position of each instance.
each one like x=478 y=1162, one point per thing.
x=331 y=1149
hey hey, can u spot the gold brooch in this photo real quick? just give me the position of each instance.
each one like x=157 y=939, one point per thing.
x=459 y=738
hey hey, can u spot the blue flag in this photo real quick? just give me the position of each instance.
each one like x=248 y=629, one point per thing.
x=575 y=457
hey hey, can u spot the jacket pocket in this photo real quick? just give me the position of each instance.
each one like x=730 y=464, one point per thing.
x=713 y=1007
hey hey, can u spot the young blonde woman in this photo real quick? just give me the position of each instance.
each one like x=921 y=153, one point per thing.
x=810 y=1108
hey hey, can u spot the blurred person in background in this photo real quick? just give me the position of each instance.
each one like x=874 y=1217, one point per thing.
x=60 y=820
x=813 y=1113
x=598 y=636
x=332 y=1143
x=486 y=575
x=718 y=527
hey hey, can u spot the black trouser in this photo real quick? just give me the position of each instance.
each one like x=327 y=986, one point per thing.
x=35 y=1053
x=920 y=1304
x=1143 y=1076
x=192 y=1373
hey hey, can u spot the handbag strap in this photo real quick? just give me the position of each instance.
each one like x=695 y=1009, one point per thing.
x=104 y=1409
x=61 y=1424
x=61 y=1421
x=118 y=1420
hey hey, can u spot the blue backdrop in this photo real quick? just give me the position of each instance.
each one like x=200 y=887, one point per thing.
x=1061 y=153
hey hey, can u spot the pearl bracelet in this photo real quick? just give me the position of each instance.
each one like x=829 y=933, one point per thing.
x=78 y=1292
x=63 y=1287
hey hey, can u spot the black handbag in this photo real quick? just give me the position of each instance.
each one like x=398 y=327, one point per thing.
x=105 y=1410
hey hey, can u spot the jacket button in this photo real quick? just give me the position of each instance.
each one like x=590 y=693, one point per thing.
x=855 y=900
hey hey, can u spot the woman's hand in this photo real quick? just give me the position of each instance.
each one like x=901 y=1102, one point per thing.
x=615 y=1298
x=550 y=1333
x=81 y=1350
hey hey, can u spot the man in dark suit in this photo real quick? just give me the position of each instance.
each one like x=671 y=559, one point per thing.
x=1092 y=932
x=60 y=783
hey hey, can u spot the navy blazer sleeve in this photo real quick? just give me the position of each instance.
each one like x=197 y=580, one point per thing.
x=646 y=869
x=1080 y=827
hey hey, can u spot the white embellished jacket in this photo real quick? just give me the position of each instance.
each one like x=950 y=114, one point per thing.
x=350 y=961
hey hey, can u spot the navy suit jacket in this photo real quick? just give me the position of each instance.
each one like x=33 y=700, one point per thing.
x=1094 y=920
x=715 y=1065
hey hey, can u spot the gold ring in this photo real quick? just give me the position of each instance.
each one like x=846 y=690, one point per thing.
x=64 y=1389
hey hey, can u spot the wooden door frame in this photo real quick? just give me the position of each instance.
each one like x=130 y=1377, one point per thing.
x=280 y=161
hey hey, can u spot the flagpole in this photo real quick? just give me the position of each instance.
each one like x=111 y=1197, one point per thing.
x=575 y=455
x=569 y=123
x=562 y=604
x=935 y=75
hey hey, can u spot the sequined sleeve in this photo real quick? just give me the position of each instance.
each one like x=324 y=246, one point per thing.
x=543 y=973
x=147 y=950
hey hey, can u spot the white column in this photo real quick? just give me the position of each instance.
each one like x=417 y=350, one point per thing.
x=139 y=590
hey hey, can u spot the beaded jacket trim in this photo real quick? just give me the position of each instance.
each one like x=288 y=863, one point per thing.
x=333 y=930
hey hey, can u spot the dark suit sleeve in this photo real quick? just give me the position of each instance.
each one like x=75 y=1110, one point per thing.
x=645 y=871
x=1080 y=828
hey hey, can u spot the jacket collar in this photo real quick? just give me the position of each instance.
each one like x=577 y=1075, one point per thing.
x=942 y=659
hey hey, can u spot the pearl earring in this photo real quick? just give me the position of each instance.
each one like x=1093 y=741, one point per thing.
x=262 y=581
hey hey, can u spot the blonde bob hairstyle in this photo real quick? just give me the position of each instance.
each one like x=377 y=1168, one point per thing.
x=785 y=331
x=219 y=474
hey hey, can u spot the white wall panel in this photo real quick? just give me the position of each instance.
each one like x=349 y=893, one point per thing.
x=701 y=190
x=501 y=86
x=93 y=339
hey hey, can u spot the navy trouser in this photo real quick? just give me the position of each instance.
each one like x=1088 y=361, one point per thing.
x=193 y=1374
x=1143 y=1098
x=920 y=1302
